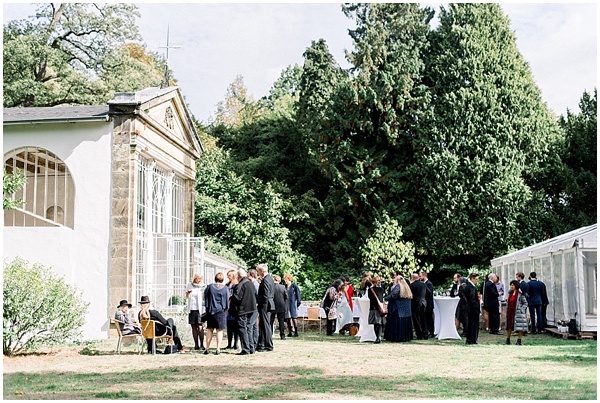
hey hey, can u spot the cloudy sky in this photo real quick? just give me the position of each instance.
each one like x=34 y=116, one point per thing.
x=220 y=41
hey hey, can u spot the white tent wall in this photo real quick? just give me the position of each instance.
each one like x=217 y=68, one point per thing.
x=567 y=264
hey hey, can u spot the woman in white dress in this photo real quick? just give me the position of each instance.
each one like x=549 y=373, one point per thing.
x=343 y=310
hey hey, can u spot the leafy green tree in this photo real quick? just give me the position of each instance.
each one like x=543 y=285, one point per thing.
x=131 y=68
x=386 y=252
x=485 y=143
x=10 y=184
x=238 y=107
x=244 y=214
x=39 y=307
x=578 y=202
x=59 y=55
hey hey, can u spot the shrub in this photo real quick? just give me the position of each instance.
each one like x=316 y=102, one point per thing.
x=177 y=300
x=40 y=308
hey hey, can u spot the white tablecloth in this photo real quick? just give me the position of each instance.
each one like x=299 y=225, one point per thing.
x=366 y=332
x=303 y=310
x=444 y=311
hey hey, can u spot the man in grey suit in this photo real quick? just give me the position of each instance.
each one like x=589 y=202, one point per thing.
x=266 y=305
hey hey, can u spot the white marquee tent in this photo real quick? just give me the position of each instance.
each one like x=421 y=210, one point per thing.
x=567 y=264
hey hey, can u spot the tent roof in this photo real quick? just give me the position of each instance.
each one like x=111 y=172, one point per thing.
x=584 y=237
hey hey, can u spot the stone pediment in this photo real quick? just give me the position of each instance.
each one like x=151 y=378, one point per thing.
x=165 y=111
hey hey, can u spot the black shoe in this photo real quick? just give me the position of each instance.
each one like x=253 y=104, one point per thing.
x=227 y=348
x=243 y=353
x=202 y=348
x=296 y=334
x=206 y=352
x=290 y=335
x=235 y=347
x=196 y=348
x=507 y=342
x=377 y=341
x=261 y=350
x=518 y=343
x=282 y=337
x=217 y=352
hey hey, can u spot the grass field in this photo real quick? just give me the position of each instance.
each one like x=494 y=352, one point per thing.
x=316 y=367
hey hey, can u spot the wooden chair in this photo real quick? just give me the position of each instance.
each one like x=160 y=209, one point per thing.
x=312 y=314
x=138 y=339
x=149 y=332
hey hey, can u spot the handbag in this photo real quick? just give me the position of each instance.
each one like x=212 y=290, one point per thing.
x=382 y=307
x=332 y=314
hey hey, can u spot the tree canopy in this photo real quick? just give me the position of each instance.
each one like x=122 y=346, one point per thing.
x=75 y=53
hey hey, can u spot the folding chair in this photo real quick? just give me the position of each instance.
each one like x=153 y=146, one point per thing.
x=312 y=314
x=138 y=340
x=149 y=332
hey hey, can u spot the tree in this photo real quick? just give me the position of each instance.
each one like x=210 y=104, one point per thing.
x=11 y=184
x=578 y=202
x=386 y=252
x=59 y=55
x=238 y=108
x=39 y=307
x=243 y=213
x=132 y=68
x=485 y=143
x=360 y=124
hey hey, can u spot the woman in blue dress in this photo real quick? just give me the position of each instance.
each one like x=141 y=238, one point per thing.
x=293 y=302
x=399 y=318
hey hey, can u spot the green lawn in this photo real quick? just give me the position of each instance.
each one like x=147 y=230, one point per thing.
x=316 y=367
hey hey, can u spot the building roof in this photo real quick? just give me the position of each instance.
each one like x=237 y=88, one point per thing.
x=55 y=114
x=585 y=237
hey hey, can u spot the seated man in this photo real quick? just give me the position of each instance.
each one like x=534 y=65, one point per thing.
x=163 y=325
x=126 y=325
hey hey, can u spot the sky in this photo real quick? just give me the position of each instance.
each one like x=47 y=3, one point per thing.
x=219 y=41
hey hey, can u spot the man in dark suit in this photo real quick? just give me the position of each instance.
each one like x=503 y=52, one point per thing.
x=244 y=298
x=429 y=319
x=536 y=289
x=418 y=304
x=491 y=303
x=280 y=297
x=545 y=303
x=472 y=309
x=266 y=305
x=462 y=305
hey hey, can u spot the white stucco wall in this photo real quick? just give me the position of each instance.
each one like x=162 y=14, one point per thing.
x=81 y=254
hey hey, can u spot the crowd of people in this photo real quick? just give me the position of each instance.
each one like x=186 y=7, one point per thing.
x=251 y=302
x=245 y=306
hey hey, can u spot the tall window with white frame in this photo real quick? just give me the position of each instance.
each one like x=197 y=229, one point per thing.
x=160 y=219
x=48 y=194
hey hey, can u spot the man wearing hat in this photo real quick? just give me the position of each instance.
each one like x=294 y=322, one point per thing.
x=127 y=326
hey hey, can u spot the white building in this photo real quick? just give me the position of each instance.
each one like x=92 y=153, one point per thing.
x=568 y=265
x=109 y=198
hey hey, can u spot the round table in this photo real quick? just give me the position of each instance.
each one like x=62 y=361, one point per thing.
x=445 y=309
x=366 y=332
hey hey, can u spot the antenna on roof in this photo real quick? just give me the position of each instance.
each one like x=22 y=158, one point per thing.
x=165 y=82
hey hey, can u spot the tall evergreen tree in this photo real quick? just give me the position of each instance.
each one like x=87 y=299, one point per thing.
x=485 y=143
x=578 y=202
x=360 y=123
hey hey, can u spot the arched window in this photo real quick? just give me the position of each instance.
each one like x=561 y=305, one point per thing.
x=48 y=194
